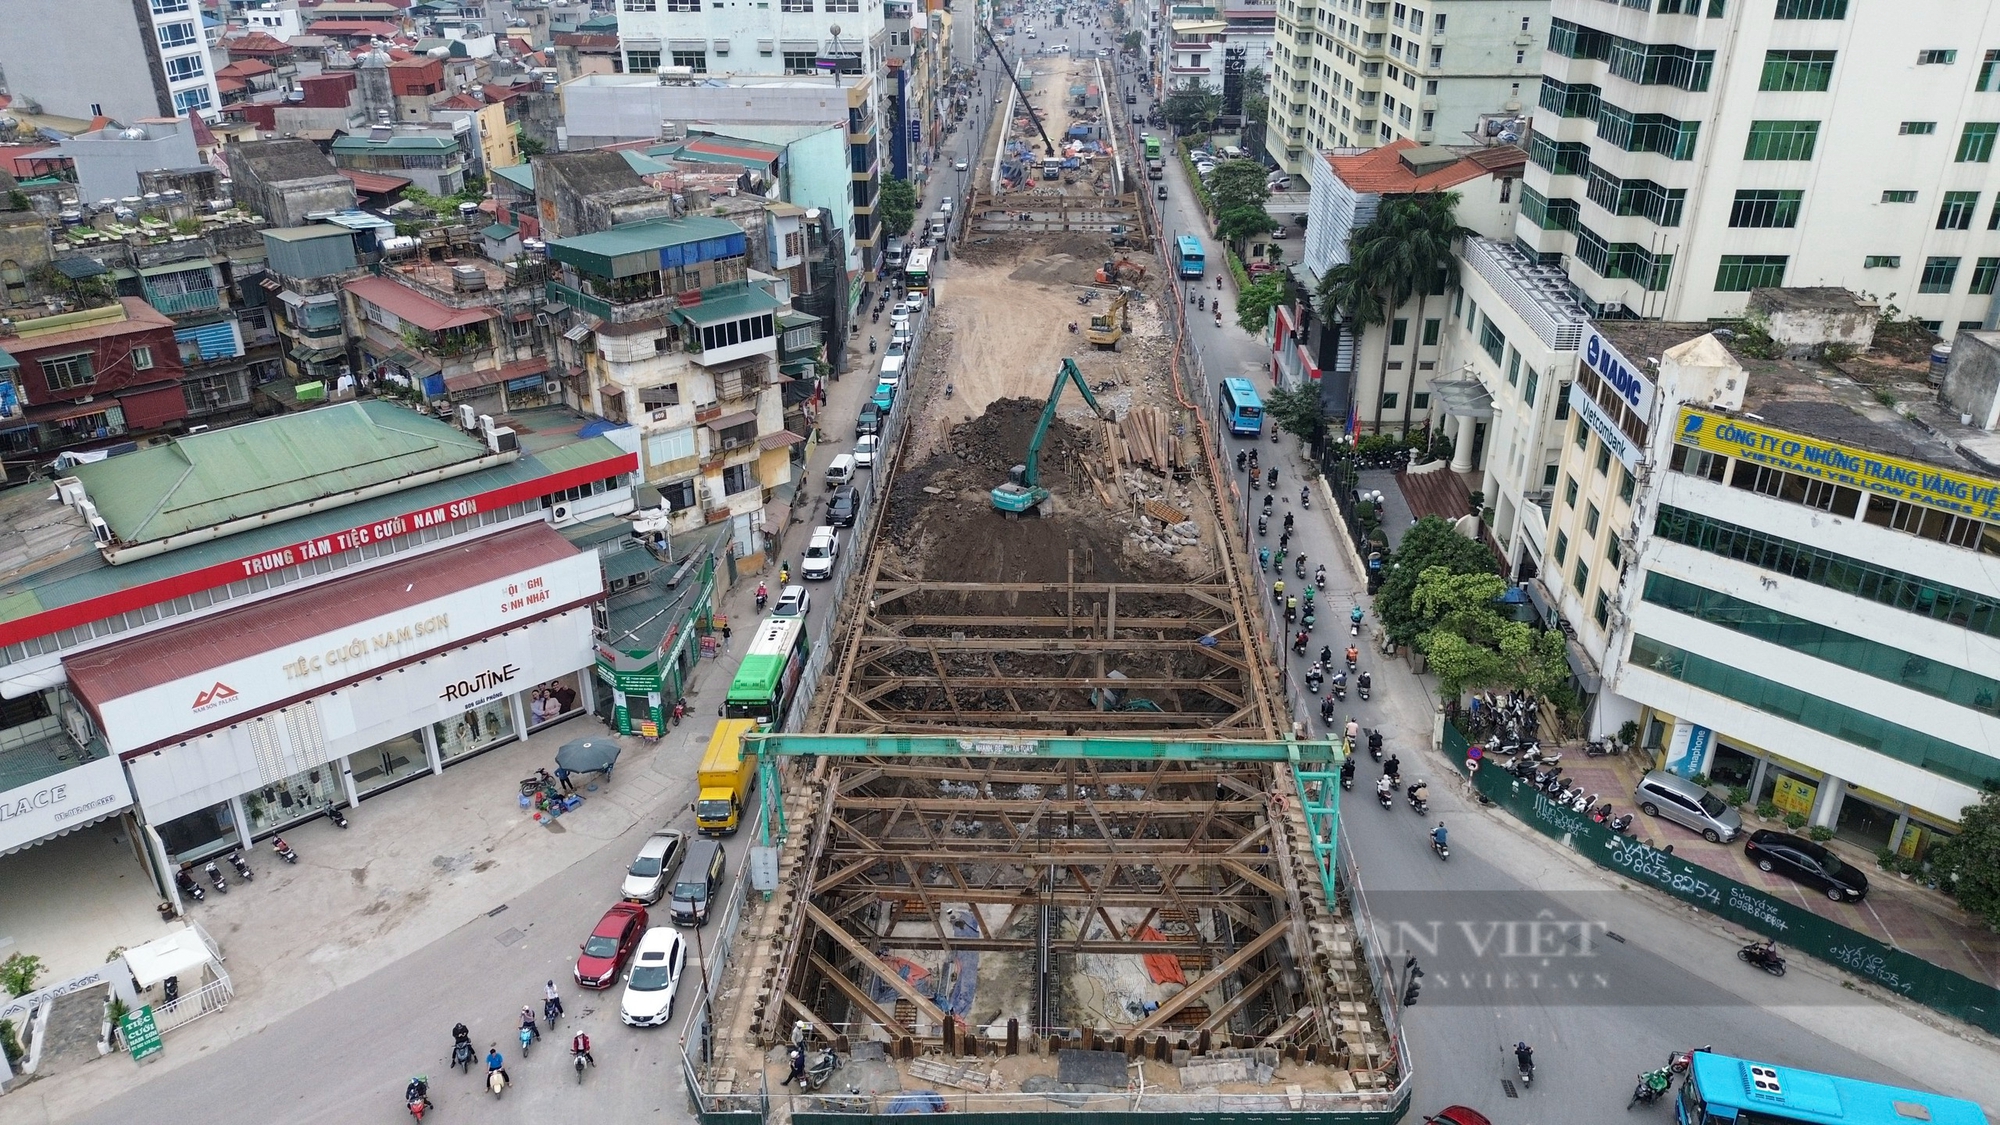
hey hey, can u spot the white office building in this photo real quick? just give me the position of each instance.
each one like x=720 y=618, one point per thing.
x=1792 y=587
x=787 y=37
x=1358 y=73
x=1685 y=153
x=118 y=58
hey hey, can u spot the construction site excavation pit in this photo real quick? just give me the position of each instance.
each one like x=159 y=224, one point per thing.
x=1040 y=846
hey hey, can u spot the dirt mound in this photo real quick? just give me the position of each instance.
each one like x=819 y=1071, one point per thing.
x=998 y=439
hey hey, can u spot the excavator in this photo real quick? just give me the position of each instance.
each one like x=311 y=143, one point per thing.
x=1124 y=271
x=1023 y=491
x=1110 y=326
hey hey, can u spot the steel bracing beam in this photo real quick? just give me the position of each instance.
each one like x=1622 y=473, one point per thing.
x=1005 y=744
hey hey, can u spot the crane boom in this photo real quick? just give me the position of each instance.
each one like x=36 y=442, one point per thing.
x=1033 y=114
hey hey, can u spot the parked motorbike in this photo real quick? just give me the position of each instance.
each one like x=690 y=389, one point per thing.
x=242 y=869
x=284 y=850
x=1582 y=803
x=822 y=1068
x=188 y=887
x=214 y=874
x=1764 y=955
x=333 y=814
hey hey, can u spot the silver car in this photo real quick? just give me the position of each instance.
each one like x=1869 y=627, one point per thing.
x=1674 y=797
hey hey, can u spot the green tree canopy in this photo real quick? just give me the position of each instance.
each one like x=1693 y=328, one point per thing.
x=1471 y=643
x=1253 y=305
x=1239 y=183
x=1132 y=40
x=1242 y=222
x=898 y=206
x=1295 y=410
x=1968 y=864
x=1431 y=542
x=1191 y=107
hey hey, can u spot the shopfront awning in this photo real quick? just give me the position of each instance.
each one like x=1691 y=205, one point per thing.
x=731 y=421
x=779 y=440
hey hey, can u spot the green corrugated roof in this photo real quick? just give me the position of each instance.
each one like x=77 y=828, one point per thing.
x=638 y=238
x=734 y=304
x=643 y=164
x=406 y=142
x=80 y=580
x=520 y=175
x=202 y=480
x=565 y=457
x=500 y=232
x=8 y=362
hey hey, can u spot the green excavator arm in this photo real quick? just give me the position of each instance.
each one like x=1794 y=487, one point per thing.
x=1023 y=490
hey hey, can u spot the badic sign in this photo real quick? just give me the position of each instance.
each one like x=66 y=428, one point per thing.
x=1908 y=481
x=1619 y=374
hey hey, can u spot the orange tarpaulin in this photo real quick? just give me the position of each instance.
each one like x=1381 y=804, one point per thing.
x=1164 y=968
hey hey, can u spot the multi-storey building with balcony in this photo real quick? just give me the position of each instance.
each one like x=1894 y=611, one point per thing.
x=683 y=343
x=1358 y=73
x=916 y=61
x=308 y=265
x=1685 y=156
x=435 y=161
x=1215 y=45
x=96 y=373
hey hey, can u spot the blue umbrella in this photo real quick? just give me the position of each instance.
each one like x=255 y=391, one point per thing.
x=587 y=755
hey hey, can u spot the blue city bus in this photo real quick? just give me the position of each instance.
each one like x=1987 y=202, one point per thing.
x=1189 y=261
x=1239 y=408
x=1722 y=1090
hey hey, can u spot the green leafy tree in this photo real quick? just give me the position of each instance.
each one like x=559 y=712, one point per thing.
x=1131 y=41
x=1254 y=305
x=898 y=206
x=1968 y=864
x=19 y=972
x=1295 y=410
x=530 y=147
x=1471 y=643
x=1239 y=183
x=1242 y=222
x=1430 y=542
x=1191 y=107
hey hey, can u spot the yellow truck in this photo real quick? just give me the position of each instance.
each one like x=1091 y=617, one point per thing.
x=728 y=770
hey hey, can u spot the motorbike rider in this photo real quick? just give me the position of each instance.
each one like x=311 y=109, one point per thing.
x=1353 y=656
x=495 y=1061
x=1355 y=615
x=1326 y=716
x=1438 y=835
x=459 y=1034
x=1278 y=590
x=1375 y=742
x=1365 y=682
x=1288 y=521
x=528 y=1023
x=1353 y=731
x=763 y=595
x=1384 y=786
x=1524 y=1055
x=551 y=998
x=1392 y=767
x=1319 y=575
x=1420 y=792
x=1347 y=771
x=1326 y=657
x=579 y=1044
x=1263 y=558
x=417 y=1093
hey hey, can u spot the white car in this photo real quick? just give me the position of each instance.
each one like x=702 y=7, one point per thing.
x=793 y=601
x=944 y=208
x=958 y=166
x=864 y=450
x=659 y=857
x=821 y=548
x=913 y=302
x=654 y=977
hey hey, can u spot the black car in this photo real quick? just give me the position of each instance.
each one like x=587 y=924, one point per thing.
x=843 y=506
x=870 y=421
x=1807 y=862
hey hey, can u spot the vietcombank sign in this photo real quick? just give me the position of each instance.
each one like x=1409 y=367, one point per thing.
x=1958 y=493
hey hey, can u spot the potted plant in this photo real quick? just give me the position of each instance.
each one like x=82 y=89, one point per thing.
x=1795 y=820
x=1821 y=833
x=1767 y=810
x=1738 y=796
x=1885 y=859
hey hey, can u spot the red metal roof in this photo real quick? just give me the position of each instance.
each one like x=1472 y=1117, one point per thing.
x=280 y=624
x=1381 y=171
x=410 y=305
x=486 y=377
x=379 y=28
x=374 y=183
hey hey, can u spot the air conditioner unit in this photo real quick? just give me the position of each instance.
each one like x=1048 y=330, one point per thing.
x=486 y=424
x=69 y=491
x=468 y=418
x=101 y=531
x=563 y=512
x=552 y=387
x=1612 y=308
x=735 y=443
x=502 y=440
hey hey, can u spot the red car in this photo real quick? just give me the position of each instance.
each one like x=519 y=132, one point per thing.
x=610 y=944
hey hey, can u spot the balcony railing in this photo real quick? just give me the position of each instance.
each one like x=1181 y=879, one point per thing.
x=174 y=304
x=577 y=299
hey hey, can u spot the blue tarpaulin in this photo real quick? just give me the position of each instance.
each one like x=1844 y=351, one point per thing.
x=216 y=341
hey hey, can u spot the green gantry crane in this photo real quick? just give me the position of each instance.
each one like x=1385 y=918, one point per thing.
x=1023 y=491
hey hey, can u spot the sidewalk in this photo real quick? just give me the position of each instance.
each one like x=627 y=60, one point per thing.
x=1896 y=912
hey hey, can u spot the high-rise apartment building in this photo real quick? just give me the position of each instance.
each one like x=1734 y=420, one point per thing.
x=127 y=59
x=1359 y=73
x=1685 y=153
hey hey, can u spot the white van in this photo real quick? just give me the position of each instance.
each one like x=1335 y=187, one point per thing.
x=840 y=471
x=1231 y=152
x=892 y=370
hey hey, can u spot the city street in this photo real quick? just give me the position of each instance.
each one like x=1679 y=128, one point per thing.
x=1519 y=939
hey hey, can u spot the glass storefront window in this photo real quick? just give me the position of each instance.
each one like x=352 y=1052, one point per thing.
x=1730 y=766
x=1863 y=823
x=295 y=798
x=553 y=701
x=1791 y=792
x=207 y=832
x=383 y=765
x=485 y=725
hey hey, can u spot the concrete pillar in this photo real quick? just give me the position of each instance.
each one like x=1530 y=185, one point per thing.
x=1826 y=806
x=428 y=732
x=1461 y=444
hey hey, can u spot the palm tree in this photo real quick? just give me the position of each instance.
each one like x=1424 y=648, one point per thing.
x=1348 y=295
x=1386 y=274
x=1430 y=230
